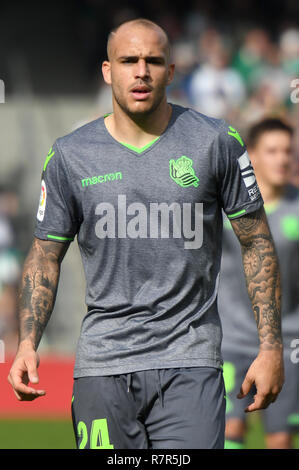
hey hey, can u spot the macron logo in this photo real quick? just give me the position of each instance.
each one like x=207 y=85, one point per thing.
x=101 y=178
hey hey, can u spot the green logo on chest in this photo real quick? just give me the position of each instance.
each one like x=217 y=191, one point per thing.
x=101 y=178
x=182 y=173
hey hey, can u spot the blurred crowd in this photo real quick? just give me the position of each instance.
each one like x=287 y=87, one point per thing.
x=242 y=84
x=232 y=69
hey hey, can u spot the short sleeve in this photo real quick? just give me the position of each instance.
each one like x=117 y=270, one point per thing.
x=238 y=189
x=57 y=215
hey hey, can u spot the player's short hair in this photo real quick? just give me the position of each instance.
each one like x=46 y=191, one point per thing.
x=143 y=22
x=267 y=125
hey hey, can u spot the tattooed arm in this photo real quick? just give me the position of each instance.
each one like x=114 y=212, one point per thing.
x=263 y=286
x=36 y=301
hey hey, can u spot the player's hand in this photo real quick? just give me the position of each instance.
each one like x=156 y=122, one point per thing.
x=267 y=373
x=23 y=371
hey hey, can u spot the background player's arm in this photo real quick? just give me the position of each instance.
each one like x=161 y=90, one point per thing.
x=36 y=301
x=263 y=284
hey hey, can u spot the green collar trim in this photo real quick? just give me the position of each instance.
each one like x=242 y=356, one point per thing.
x=140 y=149
x=132 y=147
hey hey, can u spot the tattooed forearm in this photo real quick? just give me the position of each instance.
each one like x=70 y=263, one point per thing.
x=38 y=288
x=256 y=311
x=262 y=276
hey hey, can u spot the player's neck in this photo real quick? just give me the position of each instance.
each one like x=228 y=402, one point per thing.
x=138 y=132
x=271 y=193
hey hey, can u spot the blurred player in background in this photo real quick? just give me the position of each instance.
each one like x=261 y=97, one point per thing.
x=148 y=370
x=270 y=151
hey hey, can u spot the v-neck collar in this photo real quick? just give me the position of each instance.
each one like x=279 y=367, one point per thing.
x=139 y=151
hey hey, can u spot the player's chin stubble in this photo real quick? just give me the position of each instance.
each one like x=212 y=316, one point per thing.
x=123 y=104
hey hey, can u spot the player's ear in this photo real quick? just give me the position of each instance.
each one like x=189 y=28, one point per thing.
x=171 y=68
x=106 y=71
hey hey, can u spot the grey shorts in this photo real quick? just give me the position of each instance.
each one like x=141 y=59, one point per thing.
x=280 y=416
x=179 y=408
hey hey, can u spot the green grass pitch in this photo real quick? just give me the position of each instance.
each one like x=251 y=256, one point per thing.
x=58 y=434
x=36 y=434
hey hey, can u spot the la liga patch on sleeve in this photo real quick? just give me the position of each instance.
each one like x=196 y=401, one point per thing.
x=42 y=202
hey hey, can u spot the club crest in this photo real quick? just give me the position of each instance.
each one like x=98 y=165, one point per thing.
x=182 y=173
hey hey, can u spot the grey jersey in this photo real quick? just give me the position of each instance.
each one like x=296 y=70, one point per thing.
x=239 y=327
x=149 y=229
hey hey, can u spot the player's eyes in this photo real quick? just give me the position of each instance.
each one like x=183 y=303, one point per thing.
x=129 y=61
x=155 y=61
x=148 y=61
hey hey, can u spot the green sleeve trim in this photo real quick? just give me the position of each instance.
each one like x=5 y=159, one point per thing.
x=233 y=445
x=140 y=149
x=243 y=211
x=54 y=237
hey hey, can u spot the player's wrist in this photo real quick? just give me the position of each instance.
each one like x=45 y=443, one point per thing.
x=270 y=349
x=26 y=345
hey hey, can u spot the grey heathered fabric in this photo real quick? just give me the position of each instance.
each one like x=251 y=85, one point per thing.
x=239 y=327
x=151 y=283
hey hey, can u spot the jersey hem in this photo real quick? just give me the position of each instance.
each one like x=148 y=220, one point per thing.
x=128 y=368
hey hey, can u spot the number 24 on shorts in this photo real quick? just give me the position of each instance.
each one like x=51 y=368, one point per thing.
x=99 y=436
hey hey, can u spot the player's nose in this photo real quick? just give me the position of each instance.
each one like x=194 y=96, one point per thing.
x=142 y=69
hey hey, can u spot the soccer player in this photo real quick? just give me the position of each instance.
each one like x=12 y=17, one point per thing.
x=269 y=144
x=143 y=188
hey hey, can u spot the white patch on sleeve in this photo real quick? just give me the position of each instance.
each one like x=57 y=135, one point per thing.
x=42 y=202
x=244 y=161
x=248 y=176
x=246 y=170
x=249 y=181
